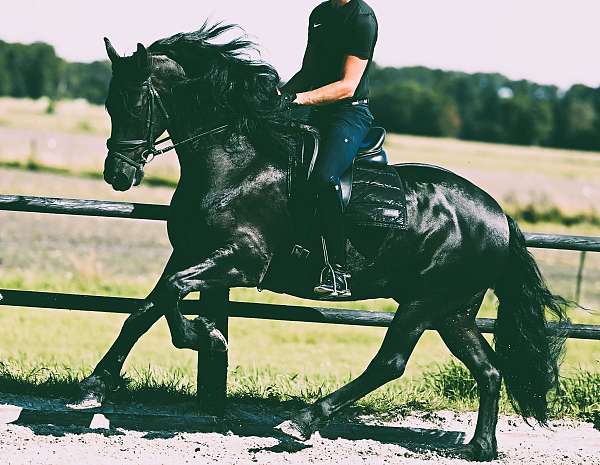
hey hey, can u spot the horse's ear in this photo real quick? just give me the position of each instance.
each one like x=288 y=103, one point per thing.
x=141 y=57
x=112 y=53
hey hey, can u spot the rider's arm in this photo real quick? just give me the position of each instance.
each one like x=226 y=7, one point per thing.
x=354 y=68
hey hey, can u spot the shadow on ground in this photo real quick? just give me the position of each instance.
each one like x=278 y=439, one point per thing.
x=245 y=417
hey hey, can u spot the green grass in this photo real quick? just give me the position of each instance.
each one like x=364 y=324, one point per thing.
x=539 y=213
x=146 y=386
x=446 y=387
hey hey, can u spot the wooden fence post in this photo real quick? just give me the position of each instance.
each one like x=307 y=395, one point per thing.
x=212 y=366
x=579 y=276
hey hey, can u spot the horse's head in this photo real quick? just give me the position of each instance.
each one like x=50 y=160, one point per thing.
x=203 y=85
x=138 y=114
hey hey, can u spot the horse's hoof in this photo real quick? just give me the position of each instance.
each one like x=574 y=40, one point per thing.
x=88 y=402
x=302 y=426
x=472 y=452
x=293 y=430
x=199 y=337
x=93 y=392
x=217 y=341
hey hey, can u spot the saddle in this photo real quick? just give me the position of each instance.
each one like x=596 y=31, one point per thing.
x=302 y=162
x=372 y=191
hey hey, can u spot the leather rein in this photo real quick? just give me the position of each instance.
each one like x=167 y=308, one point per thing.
x=116 y=146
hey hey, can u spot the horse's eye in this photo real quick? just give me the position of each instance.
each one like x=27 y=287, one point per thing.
x=132 y=103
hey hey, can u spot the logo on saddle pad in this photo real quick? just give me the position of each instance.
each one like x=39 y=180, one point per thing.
x=391 y=213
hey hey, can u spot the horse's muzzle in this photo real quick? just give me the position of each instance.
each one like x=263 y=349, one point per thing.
x=121 y=176
x=121 y=182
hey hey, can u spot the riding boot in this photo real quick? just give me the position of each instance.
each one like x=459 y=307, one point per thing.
x=334 y=279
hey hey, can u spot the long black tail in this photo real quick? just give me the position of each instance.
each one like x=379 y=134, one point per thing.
x=528 y=358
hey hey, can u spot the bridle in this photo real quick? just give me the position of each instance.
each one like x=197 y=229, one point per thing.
x=115 y=147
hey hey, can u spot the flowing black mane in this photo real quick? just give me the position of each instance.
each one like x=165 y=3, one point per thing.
x=224 y=80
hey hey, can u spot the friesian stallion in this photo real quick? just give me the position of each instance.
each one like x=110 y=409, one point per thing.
x=229 y=218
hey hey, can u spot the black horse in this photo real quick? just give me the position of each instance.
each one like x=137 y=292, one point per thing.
x=229 y=218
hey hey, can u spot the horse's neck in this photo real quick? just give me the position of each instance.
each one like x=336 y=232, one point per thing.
x=218 y=165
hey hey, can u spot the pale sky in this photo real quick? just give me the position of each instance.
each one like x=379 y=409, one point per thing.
x=548 y=41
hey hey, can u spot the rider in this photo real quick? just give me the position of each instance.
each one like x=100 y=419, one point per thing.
x=334 y=78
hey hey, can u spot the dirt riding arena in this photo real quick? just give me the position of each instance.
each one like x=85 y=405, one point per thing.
x=246 y=437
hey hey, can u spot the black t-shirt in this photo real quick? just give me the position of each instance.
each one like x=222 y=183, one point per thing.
x=336 y=32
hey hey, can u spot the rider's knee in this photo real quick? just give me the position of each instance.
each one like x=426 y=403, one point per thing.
x=326 y=185
x=321 y=181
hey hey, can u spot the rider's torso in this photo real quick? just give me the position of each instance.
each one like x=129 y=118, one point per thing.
x=334 y=33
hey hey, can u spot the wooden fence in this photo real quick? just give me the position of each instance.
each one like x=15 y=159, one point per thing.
x=212 y=367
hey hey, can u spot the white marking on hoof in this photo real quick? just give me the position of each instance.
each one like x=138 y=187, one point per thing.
x=290 y=429
x=87 y=403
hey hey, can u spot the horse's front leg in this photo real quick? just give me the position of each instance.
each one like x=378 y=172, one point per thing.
x=230 y=266
x=107 y=373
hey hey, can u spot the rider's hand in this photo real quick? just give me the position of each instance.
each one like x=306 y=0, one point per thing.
x=288 y=100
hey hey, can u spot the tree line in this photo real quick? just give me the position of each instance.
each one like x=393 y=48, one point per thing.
x=486 y=107
x=35 y=71
x=414 y=100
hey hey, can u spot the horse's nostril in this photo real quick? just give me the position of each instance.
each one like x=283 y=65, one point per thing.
x=121 y=177
x=121 y=182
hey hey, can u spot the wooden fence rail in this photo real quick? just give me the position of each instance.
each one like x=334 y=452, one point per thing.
x=125 y=305
x=212 y=367
x=145 y=211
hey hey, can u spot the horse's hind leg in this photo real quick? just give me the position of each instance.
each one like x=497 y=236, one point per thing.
x=464 y=340
x=389 y=363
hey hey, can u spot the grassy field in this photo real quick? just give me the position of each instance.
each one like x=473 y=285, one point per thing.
x=119 y=257
x=74 y=137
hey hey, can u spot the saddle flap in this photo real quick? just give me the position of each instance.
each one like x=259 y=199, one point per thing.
x=378 y=198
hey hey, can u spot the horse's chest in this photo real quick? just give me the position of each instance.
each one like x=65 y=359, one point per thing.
x=185 y=227
x=196 y=222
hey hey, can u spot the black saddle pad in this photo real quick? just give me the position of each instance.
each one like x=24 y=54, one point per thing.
x=378 y=198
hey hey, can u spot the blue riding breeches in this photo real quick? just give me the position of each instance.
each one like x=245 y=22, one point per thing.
x=343 y=127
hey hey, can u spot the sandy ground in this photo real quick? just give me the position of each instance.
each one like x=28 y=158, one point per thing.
x=565 y=442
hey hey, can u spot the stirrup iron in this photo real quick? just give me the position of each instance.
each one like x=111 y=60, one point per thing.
x=336 y=291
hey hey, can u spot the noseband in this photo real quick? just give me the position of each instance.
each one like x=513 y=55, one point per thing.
x=115 y=147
